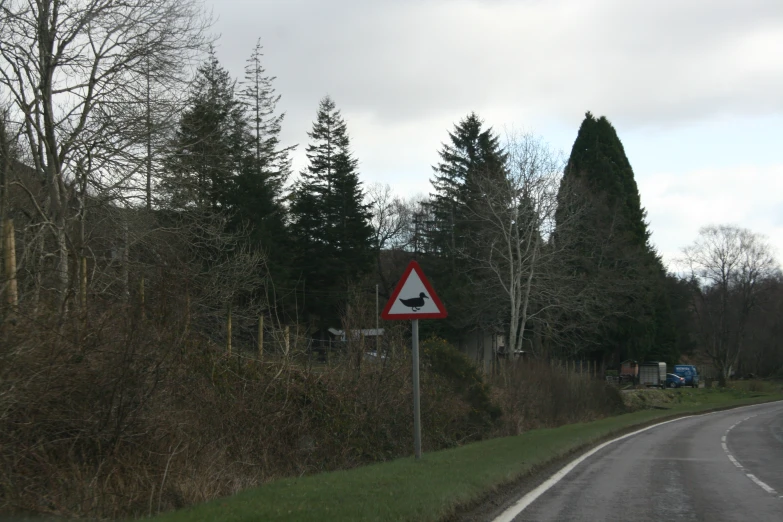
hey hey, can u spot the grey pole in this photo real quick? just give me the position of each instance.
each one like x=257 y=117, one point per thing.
x=416 y=407
x=377 y=331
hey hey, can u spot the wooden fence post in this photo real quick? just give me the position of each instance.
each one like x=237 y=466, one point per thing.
x=228 y=330
x=141 y=296
x=187 y=312
x=260 y=336
x=287 y=340
x=83 y=284
x=9 y=248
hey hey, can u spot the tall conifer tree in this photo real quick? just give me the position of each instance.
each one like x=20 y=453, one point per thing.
x=272 y=160
x=330 y=222
x=209 y=148
x=472 y=154
x=611 y=248
x=471 y=157
x=212 y=165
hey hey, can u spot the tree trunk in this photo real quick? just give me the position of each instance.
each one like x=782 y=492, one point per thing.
x=38 y=247
x=125 y=269
x=9 y=263
x=62 y=266
x=148 y=162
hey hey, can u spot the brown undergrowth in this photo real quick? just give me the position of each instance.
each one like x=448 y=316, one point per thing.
x=141 y=416
x=534 y=394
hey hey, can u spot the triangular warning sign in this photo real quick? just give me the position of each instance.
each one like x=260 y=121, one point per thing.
x=414 y=297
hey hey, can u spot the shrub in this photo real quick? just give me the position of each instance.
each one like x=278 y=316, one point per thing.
x=533 y=394
x=140 y=418
x=464 y=377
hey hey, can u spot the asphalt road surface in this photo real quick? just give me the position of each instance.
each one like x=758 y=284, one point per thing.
x=721 y=466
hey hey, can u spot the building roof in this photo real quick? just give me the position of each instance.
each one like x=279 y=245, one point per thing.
x=372 y=332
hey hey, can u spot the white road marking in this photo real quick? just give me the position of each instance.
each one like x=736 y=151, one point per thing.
x=519 y=506
x=763 y=486
x=735 y=462
x=748 y=474
x=509 y=514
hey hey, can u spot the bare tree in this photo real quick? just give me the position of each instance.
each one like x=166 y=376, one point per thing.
x=391 y=217
x=728 y=266
x=514 y=219
x=69 y=69
x=398 y=230
x=516 y=261
x=421 y=225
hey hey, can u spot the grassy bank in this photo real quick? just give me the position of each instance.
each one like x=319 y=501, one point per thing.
x=140 y=419
x=432 y=488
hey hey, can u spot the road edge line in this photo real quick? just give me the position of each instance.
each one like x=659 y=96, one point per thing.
x=725 y=444
x=518 y=507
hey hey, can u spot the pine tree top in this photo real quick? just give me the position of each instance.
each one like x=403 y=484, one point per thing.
x=331 y=230
x=472 y=151
x=598 y=159
x=329 y=148
x=273 y=161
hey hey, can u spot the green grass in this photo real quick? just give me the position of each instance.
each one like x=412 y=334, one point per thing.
x=430 y=489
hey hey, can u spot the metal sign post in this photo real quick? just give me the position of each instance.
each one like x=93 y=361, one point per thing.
x=416 y=397
x=414 y=299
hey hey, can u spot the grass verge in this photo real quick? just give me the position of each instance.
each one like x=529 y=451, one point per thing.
x=434 y=487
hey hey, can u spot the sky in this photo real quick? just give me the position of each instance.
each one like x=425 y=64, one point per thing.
x=694 y=89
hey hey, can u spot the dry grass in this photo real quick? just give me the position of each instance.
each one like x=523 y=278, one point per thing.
x=535 y=395
x=140 y=417
x=135 y=416
x=444 y=483
x=757 y=385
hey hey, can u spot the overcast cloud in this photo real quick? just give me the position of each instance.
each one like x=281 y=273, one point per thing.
x=692 y=86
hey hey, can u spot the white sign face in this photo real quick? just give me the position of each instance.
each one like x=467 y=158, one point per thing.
x=414 y=298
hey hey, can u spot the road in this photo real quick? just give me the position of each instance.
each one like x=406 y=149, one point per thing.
x=724 y=466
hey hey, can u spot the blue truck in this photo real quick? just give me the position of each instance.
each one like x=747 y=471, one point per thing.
x=689 y=373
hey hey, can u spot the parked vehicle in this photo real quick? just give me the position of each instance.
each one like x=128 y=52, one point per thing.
x=674 y=381
x=629 y=372
x=688 y=371
x=652 y=374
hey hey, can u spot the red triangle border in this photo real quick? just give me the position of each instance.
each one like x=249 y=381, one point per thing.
x=413 y=265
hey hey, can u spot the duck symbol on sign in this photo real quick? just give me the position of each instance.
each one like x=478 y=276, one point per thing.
x=415 y=303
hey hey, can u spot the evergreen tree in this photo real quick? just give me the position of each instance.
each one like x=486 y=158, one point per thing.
x=272 y=161
x=599 y=175
x=213 y=166
x=471 y=158
x=610 y=246
x=330 y=223
x=209 y=148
